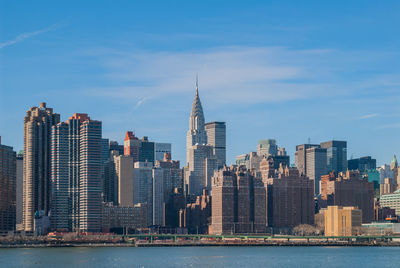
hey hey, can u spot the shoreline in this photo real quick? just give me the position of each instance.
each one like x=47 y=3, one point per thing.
x=196 y=244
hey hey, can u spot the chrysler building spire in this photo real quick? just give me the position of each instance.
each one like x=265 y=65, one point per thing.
x=196 y=133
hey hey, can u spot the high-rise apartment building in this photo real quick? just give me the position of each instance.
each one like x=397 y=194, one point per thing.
x=336 y=152
x=290 y=196
x=195 y=216
x=348 y=189
x=238 y=202
x=90 y=176
x=8 y=168
x=216 y=137
x=19 y=189
x=77 y=163
x=37 y=142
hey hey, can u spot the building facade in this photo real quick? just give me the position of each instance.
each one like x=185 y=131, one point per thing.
x=216 y=137
x=123 y=219
x=348 y=189
x=336 y=155
x=342 y=221
x=124 y=172
x=301 y=156
x=316 y=166
x=238 y=202
x=196 y=133
x=8 y=178
x=391 y=201
x=76 y=174
x=38 y=122
x=160 y=149
x=362 y=164
x=290 y=196
x=19 y=190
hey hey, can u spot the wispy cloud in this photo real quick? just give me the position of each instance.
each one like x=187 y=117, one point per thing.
x=367 y=116
x=227 y=74
x=23 y=36
x=140 y=102
x=392 y=125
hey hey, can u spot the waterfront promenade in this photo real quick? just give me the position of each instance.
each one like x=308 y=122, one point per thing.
x=151 y=240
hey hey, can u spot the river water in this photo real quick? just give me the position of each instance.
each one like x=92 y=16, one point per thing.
x=202 y=257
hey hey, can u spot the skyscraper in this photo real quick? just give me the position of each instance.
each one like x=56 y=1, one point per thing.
x=131 y=146
x=76 y=174
x=336 y=152
x=19 y=192
x=141 y=150
x=90 y=177
x=216 y=137
x=362 y=164
x=196 y=133
x=200 y=169
x=124 y=172
x=143 y=187
x=205 y=149
x=301 y=157
x=238 y=202
x=160 y=149
x=8 y=170
x=316 y=166
x=146 y=151
x=37 y=142
x=267 y=147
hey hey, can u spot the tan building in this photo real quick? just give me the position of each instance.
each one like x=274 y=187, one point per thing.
x=348 y=189
x=387 y=187
x=37 y=150
x=124 y=171
x=342 y=221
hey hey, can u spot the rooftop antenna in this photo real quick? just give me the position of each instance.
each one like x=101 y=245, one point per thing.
x=309 y=141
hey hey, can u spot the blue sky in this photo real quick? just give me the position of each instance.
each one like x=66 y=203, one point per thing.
x=289 y=70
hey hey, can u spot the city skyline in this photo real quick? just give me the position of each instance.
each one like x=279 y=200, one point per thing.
x=137 y=72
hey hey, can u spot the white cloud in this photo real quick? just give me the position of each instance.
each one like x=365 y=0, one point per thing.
x=226 y=74
x=23 y=36
x=249 y=75
x=367 y=116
